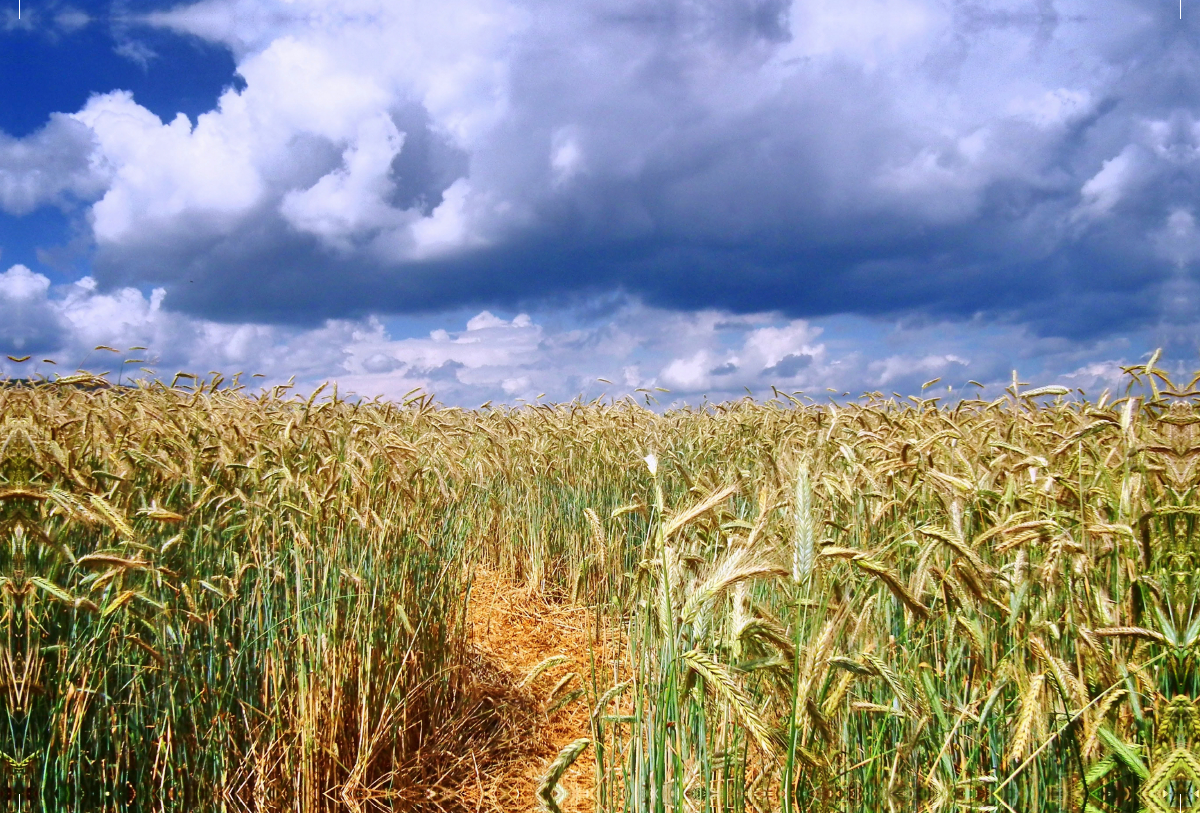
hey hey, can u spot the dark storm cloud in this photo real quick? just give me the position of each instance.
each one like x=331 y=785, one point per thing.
x=427 y=164
x=789 y=365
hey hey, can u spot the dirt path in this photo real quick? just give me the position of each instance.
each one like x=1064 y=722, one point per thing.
x=515 y=632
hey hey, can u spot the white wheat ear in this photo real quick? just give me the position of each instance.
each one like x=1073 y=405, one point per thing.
x=805 y=548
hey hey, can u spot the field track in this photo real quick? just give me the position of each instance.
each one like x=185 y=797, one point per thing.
x=516 y=631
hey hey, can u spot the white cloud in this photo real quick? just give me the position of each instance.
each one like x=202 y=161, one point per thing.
x=19 y=284
x=488 y=353
x=1096 y=377
x=55 y=162
x=71 y=19
x=707 y=354
x=1052 y=109
x=689 y=374
x=1178 y=240
x=868 y=32
x=515 y=386
x=735 y=353
x=447 y=227
x=165 y=177
x=1106 y=188
x=908 y=98
x=887 y=371
x=486 y=319
x=27 y=323
x=773 y=344
x=351 y=200
x=249 y=155
x=566 y=154
x=399 y=139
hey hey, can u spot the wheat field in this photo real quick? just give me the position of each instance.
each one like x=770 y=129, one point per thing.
x=214 y=600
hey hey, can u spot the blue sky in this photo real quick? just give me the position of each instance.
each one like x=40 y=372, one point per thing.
x=500 y=199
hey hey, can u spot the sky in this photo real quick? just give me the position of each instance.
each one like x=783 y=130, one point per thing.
x=687 y=200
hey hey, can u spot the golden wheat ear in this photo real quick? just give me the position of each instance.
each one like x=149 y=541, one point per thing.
x=548 y=786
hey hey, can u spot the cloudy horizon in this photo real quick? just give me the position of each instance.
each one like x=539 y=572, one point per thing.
x=496 y=200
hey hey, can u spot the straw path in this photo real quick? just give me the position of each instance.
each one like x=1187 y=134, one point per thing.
x=514 y=632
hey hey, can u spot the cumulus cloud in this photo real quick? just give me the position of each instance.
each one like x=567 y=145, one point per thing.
x=28 y=324
x=1105 y=189
x=165 y=178
x=888 y=372
x=1034 y=165
x=351 y=200
x=48 y=167
x=627 y=352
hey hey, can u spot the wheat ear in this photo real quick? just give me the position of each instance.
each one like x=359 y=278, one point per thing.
x=565 y=759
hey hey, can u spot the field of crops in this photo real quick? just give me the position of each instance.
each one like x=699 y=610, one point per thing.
x=218 y=601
